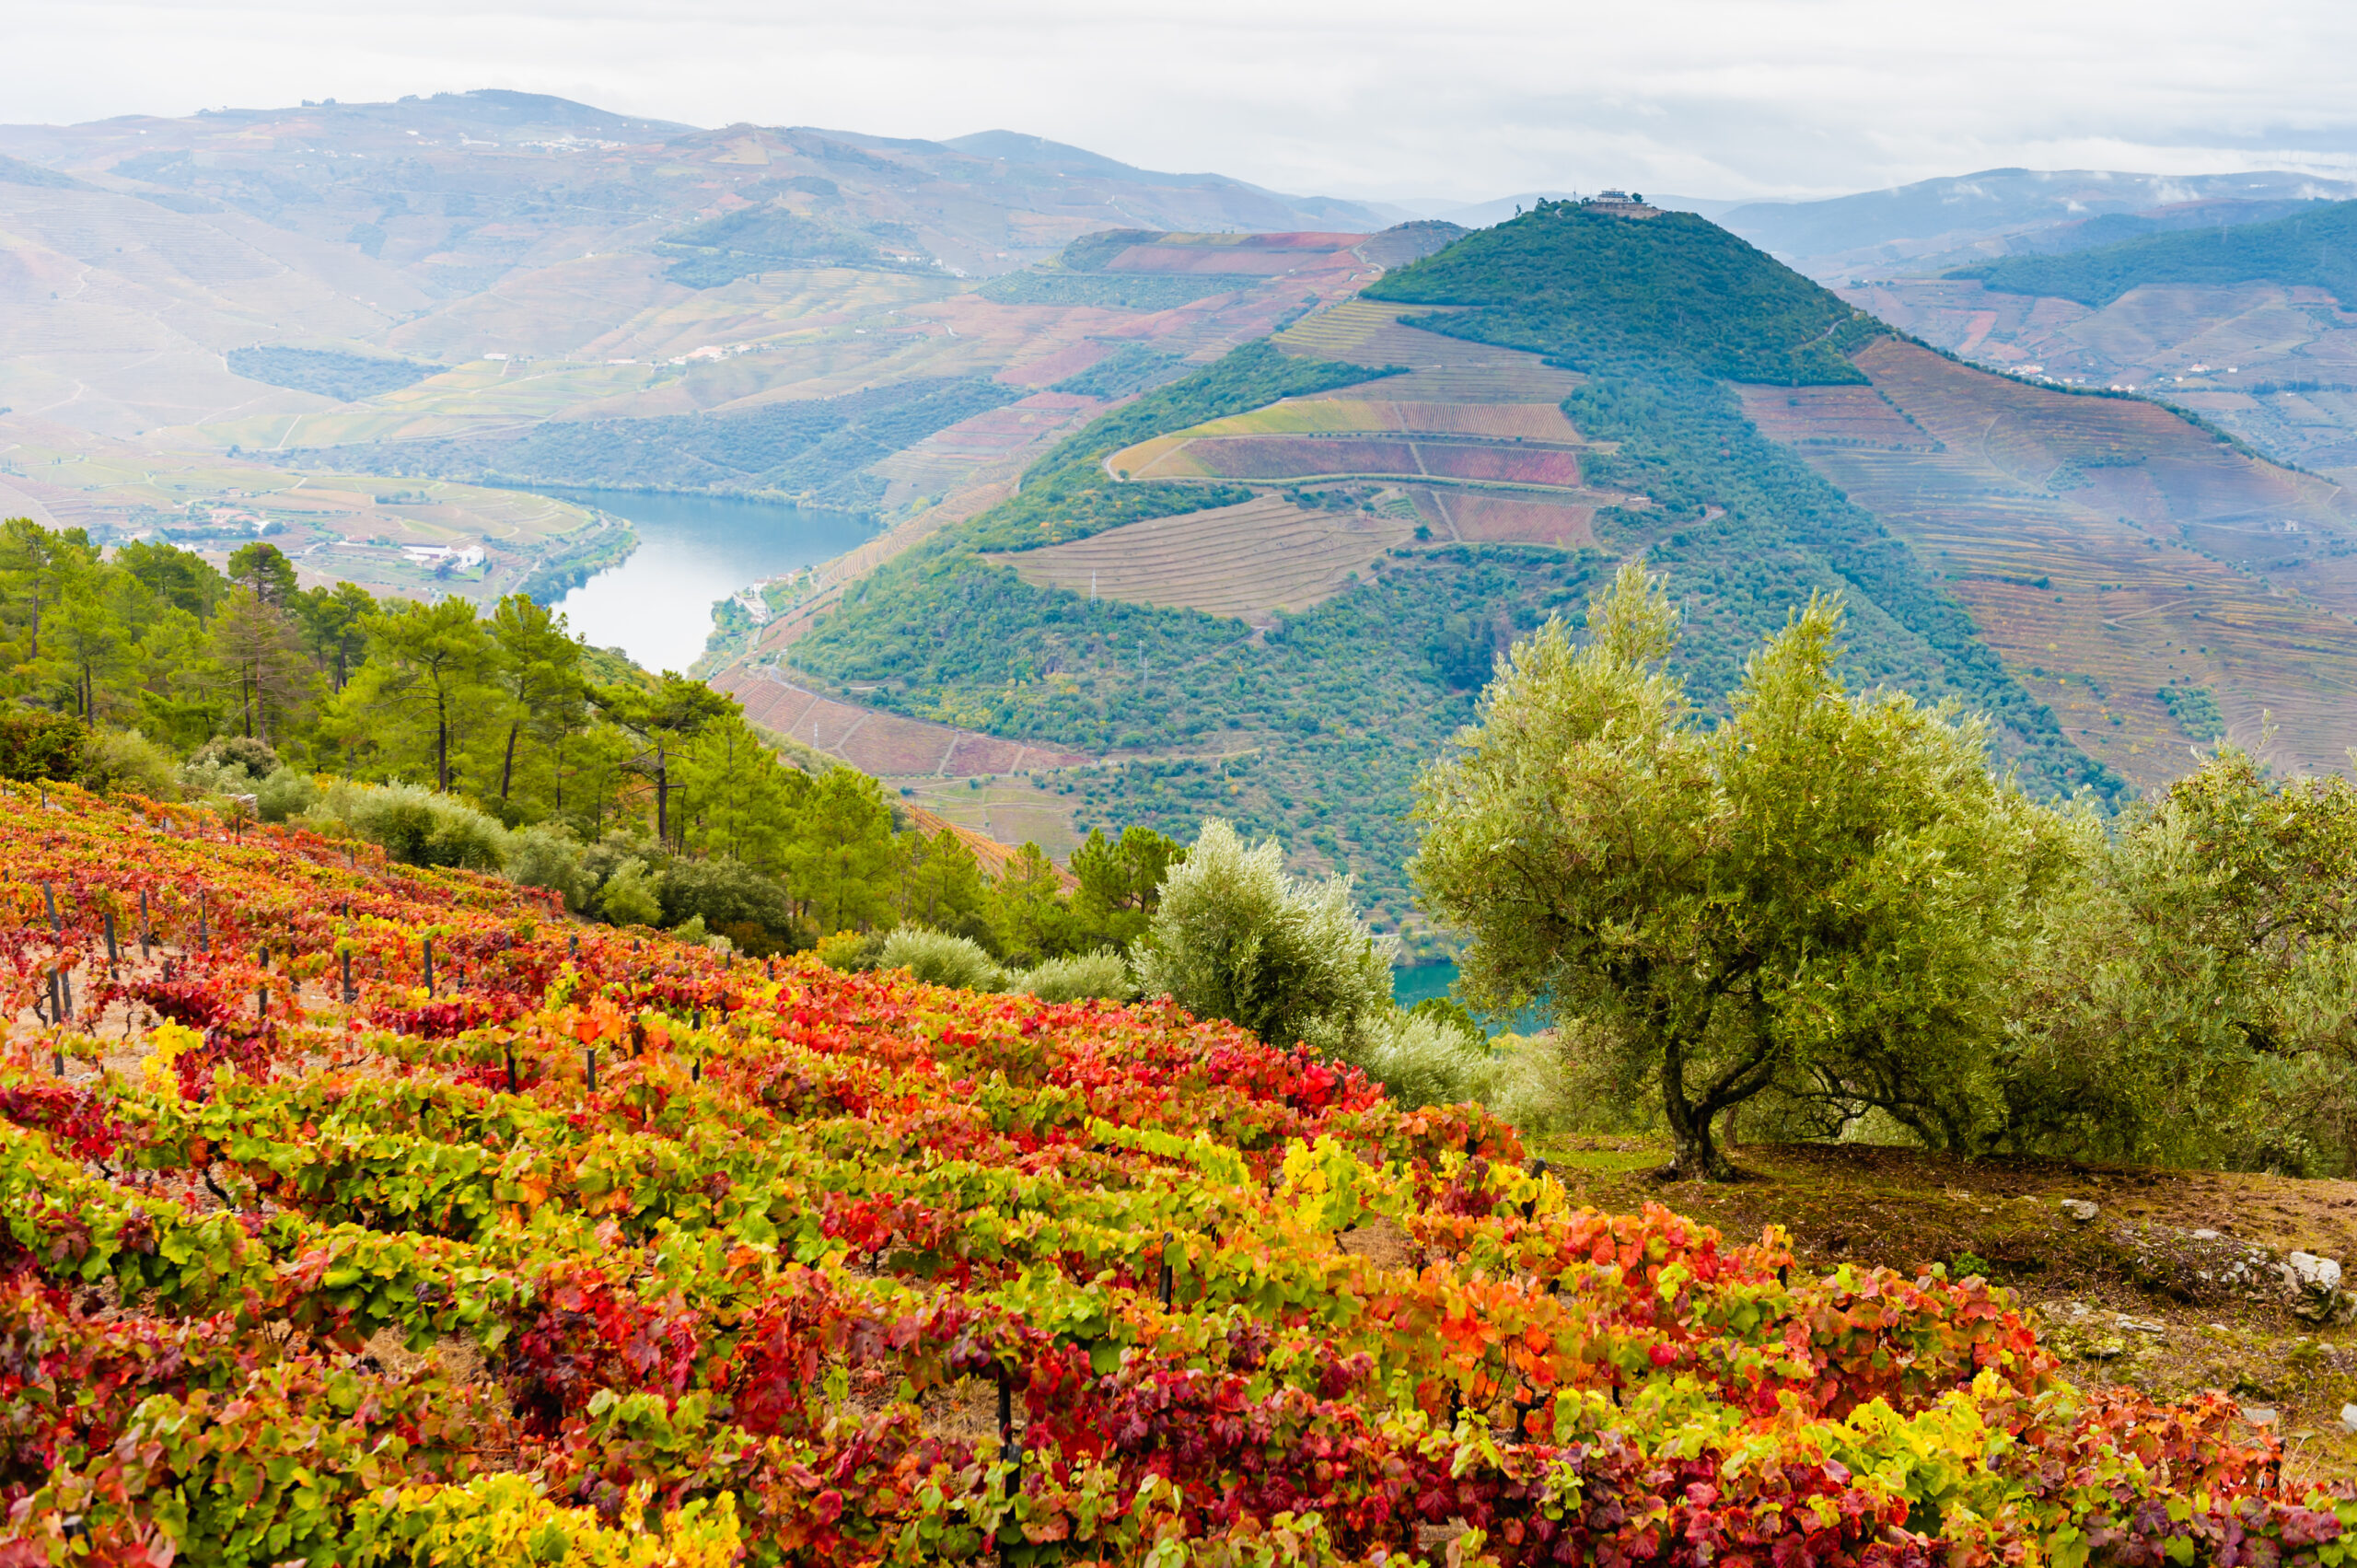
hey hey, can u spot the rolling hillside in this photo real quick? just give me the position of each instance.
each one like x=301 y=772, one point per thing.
x=1275 y=600
x=501 y=286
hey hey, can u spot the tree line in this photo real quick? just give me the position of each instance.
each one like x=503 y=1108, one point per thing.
x=498 y=740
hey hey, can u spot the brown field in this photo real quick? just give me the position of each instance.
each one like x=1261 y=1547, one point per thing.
x=1483 y=518
x=886 y=744
x=1838 y=415
x=1247 y=560
x=993 y=816
x=2107 y=540
x=1289 y=459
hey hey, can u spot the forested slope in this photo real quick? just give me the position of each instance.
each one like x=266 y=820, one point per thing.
x=1314 y=728
x=2316 y=250
x=1742 y=526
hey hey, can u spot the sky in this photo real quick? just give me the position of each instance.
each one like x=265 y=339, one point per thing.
x=1446 y=100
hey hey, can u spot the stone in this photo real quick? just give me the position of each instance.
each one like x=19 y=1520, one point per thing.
x=2205 y=1235
x=2259 y=1415
x=2313 y=1286
x=2079 y=1209
x=2348 y=1417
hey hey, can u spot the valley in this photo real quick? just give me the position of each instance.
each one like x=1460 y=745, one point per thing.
x=1137 y=498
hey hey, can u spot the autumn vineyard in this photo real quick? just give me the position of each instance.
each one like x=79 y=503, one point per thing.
x=361 y=1213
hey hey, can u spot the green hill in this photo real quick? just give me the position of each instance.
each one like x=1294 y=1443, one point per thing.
x=2317 y=249
x=1586 y=285
x=1314 y=727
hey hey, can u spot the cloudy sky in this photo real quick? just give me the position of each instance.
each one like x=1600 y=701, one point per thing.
x=1453 y=99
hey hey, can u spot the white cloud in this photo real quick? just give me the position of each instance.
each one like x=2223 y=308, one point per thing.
x=1711 y=97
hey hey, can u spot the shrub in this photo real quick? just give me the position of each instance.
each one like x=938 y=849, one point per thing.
x=940 y=958
x=629 y=896
x=413 y=824
x=285 y=792
x=724 y=892
x=1102 y=973
x=36 y=744
x=547 y=857
x=241 y=753
x=1236 y=938
x=851 y=952
x=1421 y=1060
x=126 y=759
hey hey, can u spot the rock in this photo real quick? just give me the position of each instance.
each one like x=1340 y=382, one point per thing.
x=2079 y=1209
x=2348 y=1417
x=2205 y=1235
x=2259 y=1415
x=2313 y=1284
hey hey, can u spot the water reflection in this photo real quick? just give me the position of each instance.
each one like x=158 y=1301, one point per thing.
x=656 y=605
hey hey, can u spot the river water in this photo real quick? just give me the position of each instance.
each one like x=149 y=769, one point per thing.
x=692 y=549
x=1412 y=984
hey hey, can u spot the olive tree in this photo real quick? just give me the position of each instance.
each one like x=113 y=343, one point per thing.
x=1233 y=936
x=2201 y=1004
x=1821 y=887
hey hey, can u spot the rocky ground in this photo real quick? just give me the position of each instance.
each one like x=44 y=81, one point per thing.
x=2169 y=1281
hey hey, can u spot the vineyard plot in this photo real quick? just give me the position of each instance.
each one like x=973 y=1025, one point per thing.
x=532 y=1232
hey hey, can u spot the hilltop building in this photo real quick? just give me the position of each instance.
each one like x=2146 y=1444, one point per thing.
x=1620 y=204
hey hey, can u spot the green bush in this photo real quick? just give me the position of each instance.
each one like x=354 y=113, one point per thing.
x=242 y=753
x=1236 y=938
x=629 y=897
x=726 y=893
x=1421 y=1060
x=548 y=857
x=852 y=952
x=414 y=825
x=940 y=958
x=36 y=744
x=1102 y=974
x=127 y=760
x=286 y=792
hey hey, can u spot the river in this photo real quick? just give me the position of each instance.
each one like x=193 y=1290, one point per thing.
x=1414 y=983
x=692 y=549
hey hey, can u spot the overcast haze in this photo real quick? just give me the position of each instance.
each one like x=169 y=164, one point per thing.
x=1449 y=101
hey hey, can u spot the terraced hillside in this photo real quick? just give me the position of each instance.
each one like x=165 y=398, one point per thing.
x=1472 y=440
x=1272 y=594
x=1253 y=560
x=2114 y=555
x=577 y=296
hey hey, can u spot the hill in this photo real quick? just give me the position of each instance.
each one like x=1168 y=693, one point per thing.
x=1277 y=611
x=501 y=284
x=2308 y=249
x=1933 y=224
x=1431 y=513
x=380 y=1217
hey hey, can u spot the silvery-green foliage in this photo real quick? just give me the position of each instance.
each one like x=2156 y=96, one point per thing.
x=413 y=824
x=1235 y=937
x=940 y=958
x=1103 y=973
x=285 y=792
x=545 y=857
x=1423 y=1061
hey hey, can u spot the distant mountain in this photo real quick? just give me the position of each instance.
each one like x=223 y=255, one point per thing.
x=1894 y=226
x=1273 y=586
x=2314 y=249
x=455 y=188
